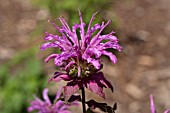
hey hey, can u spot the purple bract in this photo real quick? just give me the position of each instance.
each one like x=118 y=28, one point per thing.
x=80 y=55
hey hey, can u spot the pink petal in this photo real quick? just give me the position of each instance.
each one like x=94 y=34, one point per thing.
x=48 y=37
x=69 y=64
x=82 y=32
x=95 y=38
x=48 y=45
x=58 y=76
x=79 y=71
x=59 y=92
x=91 y=20
x=64 y=56
x=95 y=27
x=94 y=62
x=152 y=106
x=110 y=55
x=50 y=57
x=167 y=111
x=111 y=44
x=45 y=96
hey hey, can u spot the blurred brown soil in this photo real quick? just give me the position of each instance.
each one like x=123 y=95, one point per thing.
x=143 y=66
x=18 y=18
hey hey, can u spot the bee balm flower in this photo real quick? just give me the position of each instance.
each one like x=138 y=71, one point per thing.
x=47 y=107
x=80 y=55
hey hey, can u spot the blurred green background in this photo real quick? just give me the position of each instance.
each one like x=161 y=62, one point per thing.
x=143 y=67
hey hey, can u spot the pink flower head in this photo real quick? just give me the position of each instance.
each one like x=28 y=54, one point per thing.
x=75 y=53
x=152 y=106
x=80 y=55
x=47 y=107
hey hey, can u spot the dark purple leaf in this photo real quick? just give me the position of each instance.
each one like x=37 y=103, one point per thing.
x=74 y=98
x=70 y=89
x=102 y=106
x=97 y=82
x=94 y=87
